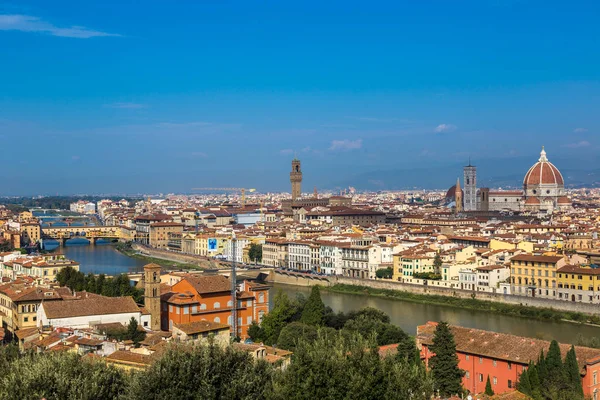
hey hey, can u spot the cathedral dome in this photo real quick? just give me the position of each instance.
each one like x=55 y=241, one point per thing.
x=543 y=173
x=451 y=193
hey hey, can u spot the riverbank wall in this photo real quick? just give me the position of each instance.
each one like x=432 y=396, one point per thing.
x=175 y=257
x=306 y=280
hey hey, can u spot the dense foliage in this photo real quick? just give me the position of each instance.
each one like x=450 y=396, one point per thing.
x=427 y=275
x=444 y=364
x=59 y=376
x=329 y=366
x=552 y=379
x=111 y=287
x=291 y=320
x=384 y=273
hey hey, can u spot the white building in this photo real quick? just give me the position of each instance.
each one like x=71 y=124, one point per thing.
x=91 y=310
x=330 y=258
x=490 y=276
x=299 y=256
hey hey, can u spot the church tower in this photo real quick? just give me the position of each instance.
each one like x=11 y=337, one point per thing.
x=470 y=182
x=296 y=179
x=458 y=197
x=152 y=294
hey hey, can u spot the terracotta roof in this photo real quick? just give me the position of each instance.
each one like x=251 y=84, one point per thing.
x=127 y=357
x=532 y=200
x=191 y=328
x=545 y=173
x=531 y=257
x=209 y=284
x=502 y=346
x=577 y=269
x=90 y=306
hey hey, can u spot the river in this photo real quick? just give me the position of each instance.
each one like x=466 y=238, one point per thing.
x=103 y=258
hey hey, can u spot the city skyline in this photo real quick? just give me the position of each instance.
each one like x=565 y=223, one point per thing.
x=166 y=99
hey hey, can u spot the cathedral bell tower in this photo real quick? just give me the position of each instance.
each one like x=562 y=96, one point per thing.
x=458 y=197
x=152 y=294
x=296 y=179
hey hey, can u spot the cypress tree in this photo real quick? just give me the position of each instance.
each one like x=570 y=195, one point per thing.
x=314 y=309
x=573 y=375
x=488 y=387
x=541 y=367
x=447 y=377
x=536 y=389
x=554 y=380
x=524 y=386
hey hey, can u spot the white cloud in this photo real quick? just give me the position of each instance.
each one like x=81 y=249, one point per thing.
x=443 y=128
x=580 y=130
x=577 y=145
x=28 y=23
x=199 y=154
x=345 y=145
x=286 y=151
x=75 y=158
x=125 y=105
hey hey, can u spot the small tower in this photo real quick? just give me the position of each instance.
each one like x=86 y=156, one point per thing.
x=458 y=197
x=152 y=294
x=296 y=179
x=470 y=182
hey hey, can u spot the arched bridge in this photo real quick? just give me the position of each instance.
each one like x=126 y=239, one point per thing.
x=92 y=233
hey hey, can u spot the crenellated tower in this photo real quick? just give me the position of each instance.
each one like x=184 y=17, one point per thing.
x=296 y=179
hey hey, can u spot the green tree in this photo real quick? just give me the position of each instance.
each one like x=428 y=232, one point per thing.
x=447 y=376
x=255 y=252
x=255 y=332
x=61 y=376
x=554 y=378
x=488 y=387
x=437 y=262
x=292 y=333
x=314 y=309
x=384 y=273
x=572 y=374
x=523 y=385
x=407 y=351
x=334 y=366
x=133 y=333
x=203 y=372
x=385 y=333
x=534 y=379
x=277 y=318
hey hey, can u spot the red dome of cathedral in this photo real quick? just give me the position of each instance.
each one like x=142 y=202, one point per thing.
x=451 y=193
x=543 y=173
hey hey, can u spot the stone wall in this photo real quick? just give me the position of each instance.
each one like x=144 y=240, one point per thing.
x=176 y=257
x=467 y=294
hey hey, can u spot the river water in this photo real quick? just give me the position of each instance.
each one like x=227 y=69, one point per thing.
x=103 y=258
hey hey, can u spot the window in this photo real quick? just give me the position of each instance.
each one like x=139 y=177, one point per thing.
x=194 y=309
x=202 y=306
x=217 y=305
x=509 y=366
x=494 y=362
x=230 y=303
x=26 y=319
x=467 y=375
x=249 y=320
x=186 y=309
x=217 y=319
x=495 y=381
x=480 y=360
x=480 y=377
x=595 y=377
x=176 y=310
x=170 y=308
x=510 y=384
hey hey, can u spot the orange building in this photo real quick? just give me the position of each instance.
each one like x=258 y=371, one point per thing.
x=503 y=357
x=208 y=298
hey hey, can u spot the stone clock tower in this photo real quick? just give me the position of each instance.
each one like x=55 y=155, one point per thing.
x=152 y=294
x=296 y=179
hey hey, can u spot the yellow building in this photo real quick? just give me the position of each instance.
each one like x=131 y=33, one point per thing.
x=527 y=247
x=413 y=264
x=579 y=283
x=535 y=276
x=30 y=232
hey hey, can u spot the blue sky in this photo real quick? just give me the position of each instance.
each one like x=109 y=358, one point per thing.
x=120 y=96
